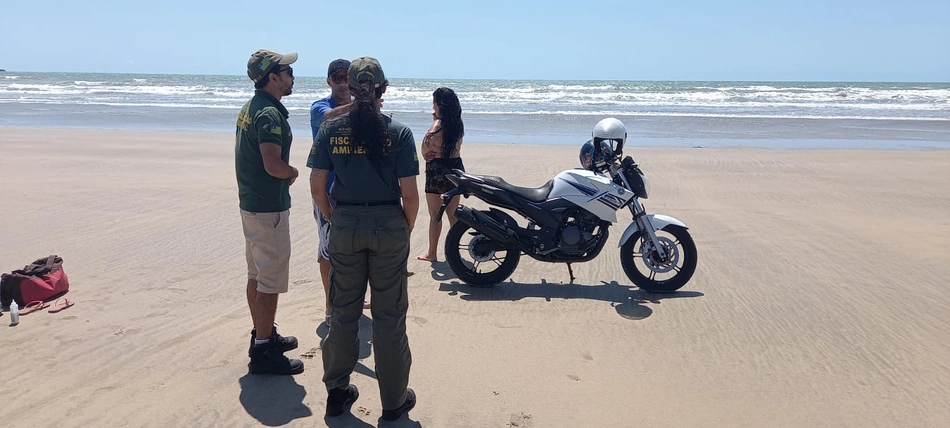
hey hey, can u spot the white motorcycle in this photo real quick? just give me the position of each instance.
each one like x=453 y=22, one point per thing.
x=568 y=220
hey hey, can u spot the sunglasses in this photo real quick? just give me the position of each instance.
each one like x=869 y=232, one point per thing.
x=289 y=70
x=338 y=78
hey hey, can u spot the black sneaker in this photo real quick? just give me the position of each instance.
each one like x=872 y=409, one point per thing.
x=284 y=343
x=339 y=399
x=391 y=415
x=268 y=359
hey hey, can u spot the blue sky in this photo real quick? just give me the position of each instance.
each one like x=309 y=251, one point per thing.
x=831 y=40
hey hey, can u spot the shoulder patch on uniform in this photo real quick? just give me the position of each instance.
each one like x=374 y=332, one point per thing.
x=274 y=129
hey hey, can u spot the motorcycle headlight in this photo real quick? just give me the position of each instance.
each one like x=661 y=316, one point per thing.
x=646 y=185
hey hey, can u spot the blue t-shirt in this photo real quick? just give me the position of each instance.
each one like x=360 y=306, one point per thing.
x=317 y=110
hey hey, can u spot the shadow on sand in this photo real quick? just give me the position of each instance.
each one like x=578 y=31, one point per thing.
x=629 y=301
x=441 y=271
x=347 y=420
x=273 y=400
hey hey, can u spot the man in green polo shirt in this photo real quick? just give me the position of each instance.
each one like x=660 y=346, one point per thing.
x=261 y=156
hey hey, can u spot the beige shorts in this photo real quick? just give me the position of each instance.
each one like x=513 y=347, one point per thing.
x=267 y=248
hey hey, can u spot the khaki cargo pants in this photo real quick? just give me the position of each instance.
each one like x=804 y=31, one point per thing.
x=369 y=243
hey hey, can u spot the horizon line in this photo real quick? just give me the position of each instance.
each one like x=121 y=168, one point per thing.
x=511 y=79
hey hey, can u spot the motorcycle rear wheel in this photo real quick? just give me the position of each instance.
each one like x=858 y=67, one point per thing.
x=472 y=258
x=681 y=261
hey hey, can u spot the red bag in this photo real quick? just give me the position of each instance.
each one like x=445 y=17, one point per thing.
x=41 y=280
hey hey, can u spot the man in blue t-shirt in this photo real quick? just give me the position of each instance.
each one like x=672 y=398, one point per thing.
x=339 y=97
x=339 y=94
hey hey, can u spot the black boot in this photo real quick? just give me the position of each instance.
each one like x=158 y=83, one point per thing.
x=339 y=399
x=284 y=343
x=391 y=415
x=267 y=358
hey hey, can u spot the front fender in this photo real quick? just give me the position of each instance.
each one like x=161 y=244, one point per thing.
x=658 y=221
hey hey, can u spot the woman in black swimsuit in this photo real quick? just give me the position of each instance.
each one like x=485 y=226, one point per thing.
x=441 y=150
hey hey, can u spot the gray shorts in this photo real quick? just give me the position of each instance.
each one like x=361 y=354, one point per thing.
x=323 y=231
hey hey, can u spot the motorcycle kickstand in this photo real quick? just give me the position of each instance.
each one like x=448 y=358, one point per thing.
x=570 y=272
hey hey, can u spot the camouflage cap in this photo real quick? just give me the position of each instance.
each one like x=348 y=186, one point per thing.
x=365 y=73
x=263 y=61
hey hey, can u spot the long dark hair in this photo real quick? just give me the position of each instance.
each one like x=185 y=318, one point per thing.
x=451 y=121
x=370 y=131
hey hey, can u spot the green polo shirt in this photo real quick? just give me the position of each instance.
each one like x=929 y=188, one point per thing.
x=263 y=119
x=357 y=180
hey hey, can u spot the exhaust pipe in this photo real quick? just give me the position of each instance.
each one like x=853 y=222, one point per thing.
x=489 y=226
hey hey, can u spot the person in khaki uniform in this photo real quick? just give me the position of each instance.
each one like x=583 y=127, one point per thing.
x=261 y=155
x=375 y=162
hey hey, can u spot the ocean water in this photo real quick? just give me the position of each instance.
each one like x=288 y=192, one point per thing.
x=713 y=114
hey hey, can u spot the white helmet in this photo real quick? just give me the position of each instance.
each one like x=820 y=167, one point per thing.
x=610 y=129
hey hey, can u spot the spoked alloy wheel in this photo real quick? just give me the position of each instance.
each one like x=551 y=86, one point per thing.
x=476 y=258
x=648 y=271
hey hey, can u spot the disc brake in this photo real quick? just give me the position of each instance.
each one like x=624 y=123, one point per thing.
x=651 y=257
x=476 y=249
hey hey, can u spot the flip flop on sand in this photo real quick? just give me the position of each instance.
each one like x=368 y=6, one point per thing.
x=33 y=307
x=60 y=304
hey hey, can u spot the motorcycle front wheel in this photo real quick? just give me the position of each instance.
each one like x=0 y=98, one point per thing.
x=642 y=264
x=477 y=259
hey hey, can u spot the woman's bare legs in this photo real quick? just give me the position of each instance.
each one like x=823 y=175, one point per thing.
x=435 y=229
x=434 y=203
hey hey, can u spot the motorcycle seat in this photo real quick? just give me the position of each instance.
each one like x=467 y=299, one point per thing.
x=533 y=194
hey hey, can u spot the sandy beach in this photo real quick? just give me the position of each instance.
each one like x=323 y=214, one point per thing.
x=820 y=299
